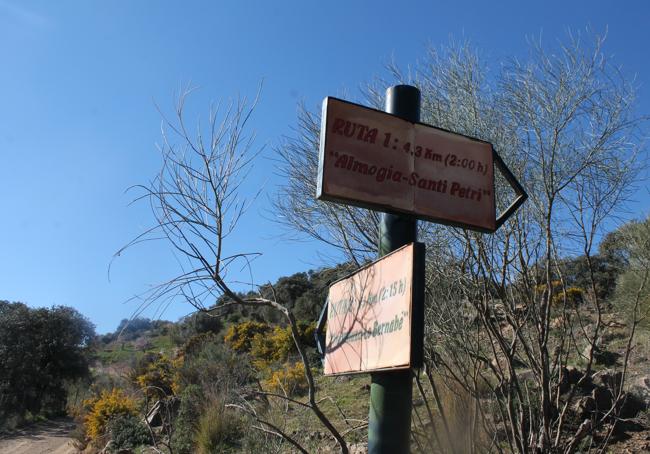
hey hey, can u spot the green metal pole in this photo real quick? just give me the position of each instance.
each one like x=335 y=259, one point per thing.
x=389 y=425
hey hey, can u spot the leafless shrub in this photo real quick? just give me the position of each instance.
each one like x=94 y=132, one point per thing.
x=196 y=202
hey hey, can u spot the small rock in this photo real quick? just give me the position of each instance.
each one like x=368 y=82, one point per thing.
x=603 y=398
x=573 y=374
x=358 y=448
x=601 y=356
x=570 y=376
x=606 y=358
x=631 y=405
x=642 y=394
x=154 y=416
x=644 y=382
x=613 y=323
x=585 y=406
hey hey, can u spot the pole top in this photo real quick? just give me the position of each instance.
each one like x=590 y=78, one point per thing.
x=404 y=101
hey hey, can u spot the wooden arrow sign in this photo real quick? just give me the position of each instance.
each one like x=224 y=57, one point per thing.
x=376 y=160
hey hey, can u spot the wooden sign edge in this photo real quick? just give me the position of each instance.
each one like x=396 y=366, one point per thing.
x=333 y=98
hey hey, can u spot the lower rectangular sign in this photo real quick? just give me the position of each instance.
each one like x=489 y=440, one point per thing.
x=374 y=318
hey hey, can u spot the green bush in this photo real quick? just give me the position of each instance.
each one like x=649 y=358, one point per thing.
x=216 y=368
x=185 y=426
x=128 y=432
x=196 y=343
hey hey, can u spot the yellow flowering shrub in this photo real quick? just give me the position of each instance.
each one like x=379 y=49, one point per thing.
x=158 y=378
x=269 y=348
x=574 y=296
x=103 y=408
x=290 y=379
x=555 y=286
x=240 y=336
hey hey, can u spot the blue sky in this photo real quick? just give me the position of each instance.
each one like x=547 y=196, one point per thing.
x=78 y=125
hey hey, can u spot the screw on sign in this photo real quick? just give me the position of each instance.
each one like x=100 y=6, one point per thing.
x=388 y=161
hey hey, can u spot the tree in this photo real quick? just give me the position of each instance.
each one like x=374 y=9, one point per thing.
x=40 y=349
x=129 y=329
x=564 y=122
x=632 y=241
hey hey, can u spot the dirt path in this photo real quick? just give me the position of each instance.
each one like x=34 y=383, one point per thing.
x=52 y=437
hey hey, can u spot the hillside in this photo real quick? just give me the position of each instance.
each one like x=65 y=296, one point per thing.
x=241 y=371
x=233 y=381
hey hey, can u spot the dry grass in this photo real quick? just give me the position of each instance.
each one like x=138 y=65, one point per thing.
x=219 y=429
